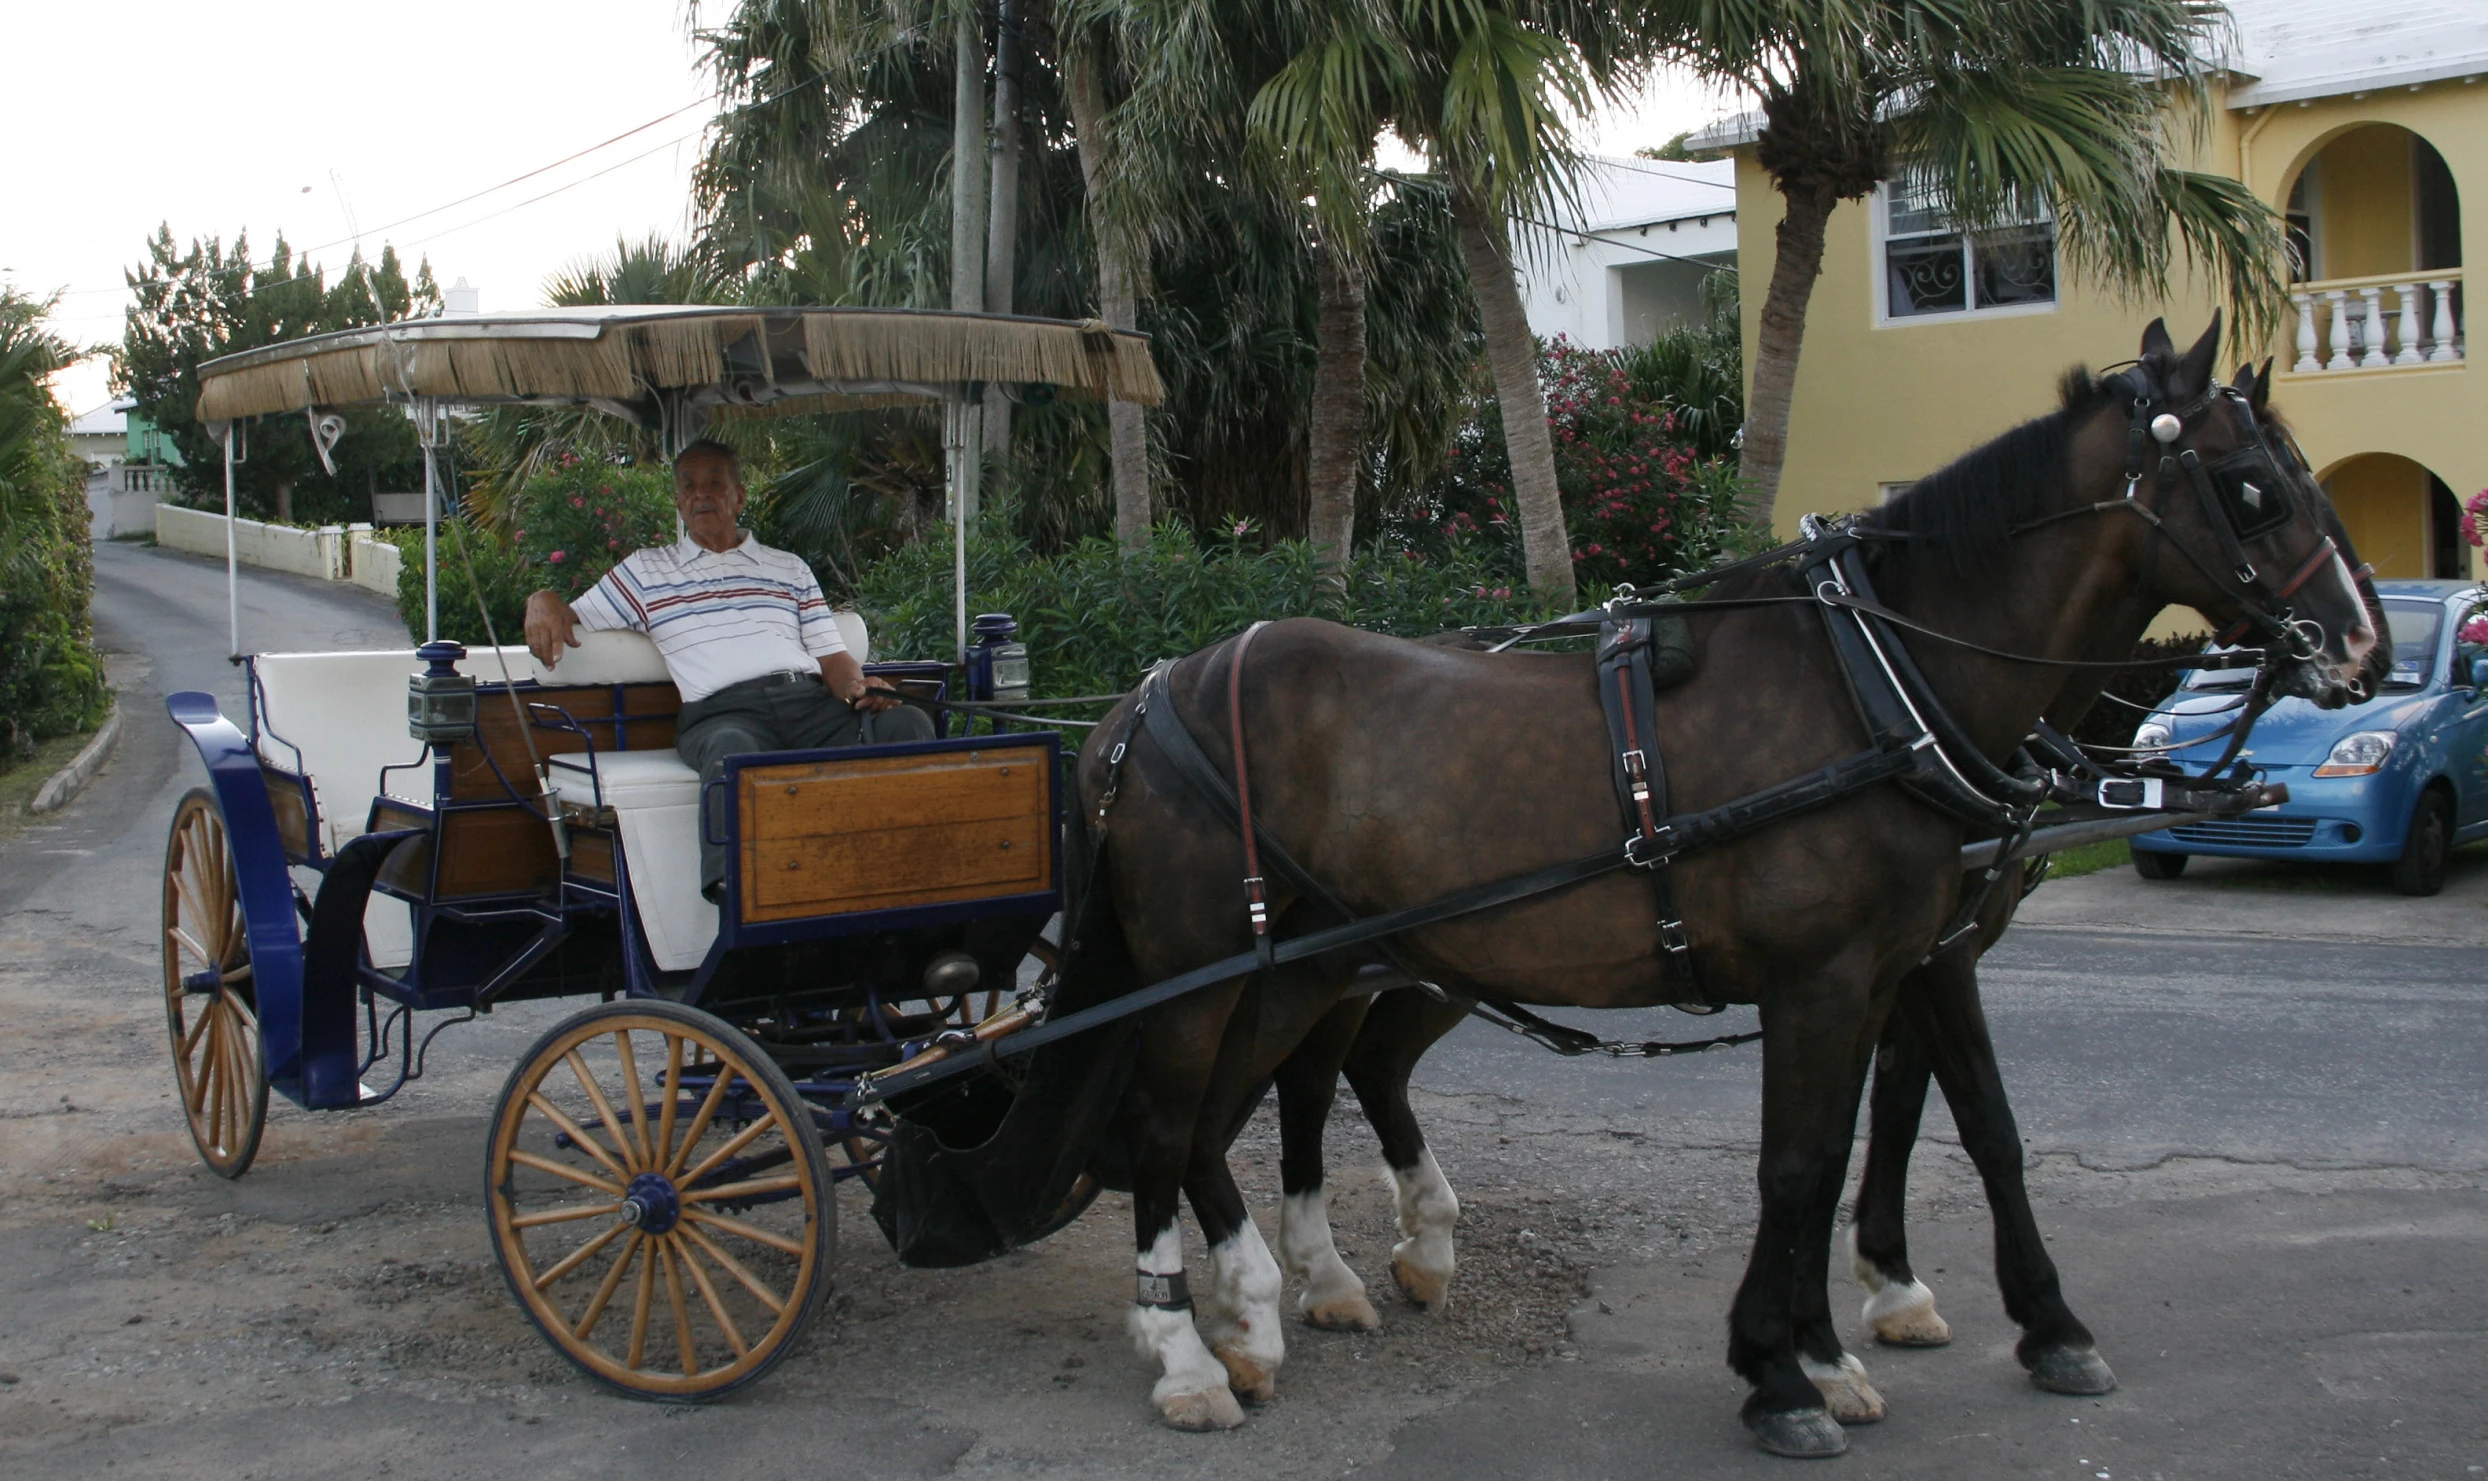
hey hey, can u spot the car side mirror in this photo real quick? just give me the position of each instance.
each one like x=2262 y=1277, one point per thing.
x=2479 y=673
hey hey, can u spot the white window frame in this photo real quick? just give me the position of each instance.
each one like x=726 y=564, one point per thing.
x=1879 y=236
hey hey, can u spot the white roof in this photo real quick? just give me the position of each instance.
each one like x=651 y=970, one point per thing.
x=2296 y=49
x=2285 y=50
x=1615 y=191
x=108 y=420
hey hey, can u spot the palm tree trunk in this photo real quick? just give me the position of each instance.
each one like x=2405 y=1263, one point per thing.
x=967 y=226
x=1338 y=431
x=1512 y=354
x=1797 y=262
x=1118 y=304
x=1002 y=221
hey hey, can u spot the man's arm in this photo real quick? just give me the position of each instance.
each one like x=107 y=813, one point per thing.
x=551 y=626
x=847 y=680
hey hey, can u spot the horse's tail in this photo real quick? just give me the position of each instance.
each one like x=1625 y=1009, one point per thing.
x=976 y=1170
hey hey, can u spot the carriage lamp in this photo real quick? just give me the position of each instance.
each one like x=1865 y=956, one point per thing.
x=997 y=660
x=440 y=701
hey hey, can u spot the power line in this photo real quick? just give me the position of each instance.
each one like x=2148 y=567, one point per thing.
x=556 y=190
x=1627 y=164
x=1631 y=246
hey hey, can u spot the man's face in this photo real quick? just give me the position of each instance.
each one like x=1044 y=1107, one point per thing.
x=708 y=495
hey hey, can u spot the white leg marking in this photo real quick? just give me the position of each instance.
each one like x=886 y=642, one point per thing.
x=1333 y=1297
x=1191 y=1392
x=1422 y=1261
x=1240 y=1313
x=1846 y=1393
x=1901 y=1313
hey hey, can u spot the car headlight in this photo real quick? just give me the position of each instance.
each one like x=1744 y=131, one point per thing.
x=2360 y=754
x=2151 y=733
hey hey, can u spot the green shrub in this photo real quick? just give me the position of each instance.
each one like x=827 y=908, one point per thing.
x=574 y=521
x=50 y=681
x=1094 y=618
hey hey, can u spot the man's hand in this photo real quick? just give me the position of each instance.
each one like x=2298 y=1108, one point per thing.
x=846 y=679
x=550 y=627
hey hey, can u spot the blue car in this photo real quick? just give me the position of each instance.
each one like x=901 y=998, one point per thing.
x=2398 y=780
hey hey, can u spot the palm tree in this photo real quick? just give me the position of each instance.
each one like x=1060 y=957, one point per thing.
x=1995 y=104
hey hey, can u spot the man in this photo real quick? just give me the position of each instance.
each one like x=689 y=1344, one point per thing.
x=745 y=632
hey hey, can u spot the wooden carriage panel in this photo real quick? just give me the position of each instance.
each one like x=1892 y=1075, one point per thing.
x=888 y=832
x=293 y=815
x=648 y=711
x=495 y=851
x=591 y=854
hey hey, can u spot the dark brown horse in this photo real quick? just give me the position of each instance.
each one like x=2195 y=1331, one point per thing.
x=1399 y=774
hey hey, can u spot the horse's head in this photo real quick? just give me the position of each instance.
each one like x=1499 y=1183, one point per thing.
x=2257 y=547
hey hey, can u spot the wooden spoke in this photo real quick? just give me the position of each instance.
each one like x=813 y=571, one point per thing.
x=639 y=1307
x=699 y=1124
x=198 y=912
x=750 y=1282
x=682 y=1310
x=737 y=1143
x=194 y=1071
x=572 y=1130
x=611 y=1283
x=604 y=1108
x=673 y=1091
x=182 y=937
x=561 y=1170
x=745 y=1189
x=741 y=1230
x=639 y=1098
x=213 y=1037
x=579 y=1256
x=566 y=1215
x=708 y=1296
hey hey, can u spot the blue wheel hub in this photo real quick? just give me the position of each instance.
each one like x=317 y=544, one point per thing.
x=650 y=1204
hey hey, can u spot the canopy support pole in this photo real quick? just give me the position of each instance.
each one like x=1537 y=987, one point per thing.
x=960 y=457
x=427 y=435
x=233 y=563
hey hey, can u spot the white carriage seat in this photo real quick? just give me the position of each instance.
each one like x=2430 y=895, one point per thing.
x=617 y=656
x=655 y=797
x=339 y=718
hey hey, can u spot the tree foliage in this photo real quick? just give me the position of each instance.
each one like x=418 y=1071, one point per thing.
x=50 y=681
x=196 y=304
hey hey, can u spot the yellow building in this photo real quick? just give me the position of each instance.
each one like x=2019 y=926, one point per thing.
x=2367 y=123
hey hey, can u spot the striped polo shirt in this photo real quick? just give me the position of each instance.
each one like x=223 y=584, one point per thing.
x=718 y=617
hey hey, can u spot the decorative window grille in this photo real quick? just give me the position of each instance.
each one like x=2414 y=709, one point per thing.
x=1932 y=266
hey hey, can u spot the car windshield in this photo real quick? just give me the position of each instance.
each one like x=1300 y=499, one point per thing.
x=2413 y=626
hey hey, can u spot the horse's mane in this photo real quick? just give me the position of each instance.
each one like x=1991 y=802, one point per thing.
x=1963 y=513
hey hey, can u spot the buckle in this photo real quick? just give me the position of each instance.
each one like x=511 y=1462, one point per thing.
x=1672 y=936
x=1650 y=850
x=1635 y=763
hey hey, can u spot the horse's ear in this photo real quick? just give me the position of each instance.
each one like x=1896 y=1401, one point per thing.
x=2263 y=386
x=2156 y=345
x=2191 y=374
x=2244 y=383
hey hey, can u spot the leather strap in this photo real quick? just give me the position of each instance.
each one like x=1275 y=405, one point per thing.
x=1256 y=903
x=1640 y=775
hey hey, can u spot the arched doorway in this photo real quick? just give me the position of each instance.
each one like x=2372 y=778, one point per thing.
x=2376 y=223
x=2403 y=519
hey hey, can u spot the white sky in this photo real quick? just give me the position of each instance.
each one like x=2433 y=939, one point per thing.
x=330 y=122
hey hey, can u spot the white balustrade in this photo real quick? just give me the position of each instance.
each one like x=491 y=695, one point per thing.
x=2343 y=325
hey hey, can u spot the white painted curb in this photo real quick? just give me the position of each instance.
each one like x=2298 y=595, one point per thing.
x=70 y=780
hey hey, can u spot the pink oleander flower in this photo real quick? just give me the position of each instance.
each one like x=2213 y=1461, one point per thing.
x=555 y=557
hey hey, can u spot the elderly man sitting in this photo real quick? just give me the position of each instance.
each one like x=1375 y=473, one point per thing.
x=745 y=632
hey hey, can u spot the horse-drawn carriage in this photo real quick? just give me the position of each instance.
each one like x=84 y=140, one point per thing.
x=448 y=829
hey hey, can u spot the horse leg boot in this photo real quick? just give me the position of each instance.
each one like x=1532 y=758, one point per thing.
x=2056 y=1348
x=1239 y=1307
x=1398 y=1030
x=1813 y=1071
x=1333 y=1298
x=1899 y=1310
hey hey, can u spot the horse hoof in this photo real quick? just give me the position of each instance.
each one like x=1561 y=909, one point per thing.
x=1215 y=1409
x=2071 y=1370
x=1424 y=1289
x=1847 y=1396
x=1804 y=1434
x=1904 y=1316
x=1248 y=1380
x=1343 y=1314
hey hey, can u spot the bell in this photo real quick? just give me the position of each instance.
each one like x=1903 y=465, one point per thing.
x=950 y=973
x=2166 y=427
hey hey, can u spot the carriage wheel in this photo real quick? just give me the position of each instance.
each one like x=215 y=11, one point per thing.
x=659 y=1200
x=210 y=1000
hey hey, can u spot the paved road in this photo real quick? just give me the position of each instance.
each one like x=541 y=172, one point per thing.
x=2258 y=1158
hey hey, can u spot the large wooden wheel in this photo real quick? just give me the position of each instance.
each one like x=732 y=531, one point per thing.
x=659 y=1200
x=210 y=1001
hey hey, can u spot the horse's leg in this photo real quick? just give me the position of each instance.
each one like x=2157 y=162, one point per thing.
x=1900 y=1310
x=1333 y=1297
x=1172 y=1079
x=1947 y=1019
x=1819 y=1037
x=1239 y=1308
x=1400 y=1028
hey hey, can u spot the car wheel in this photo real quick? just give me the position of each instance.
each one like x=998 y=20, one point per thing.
x=2421 y=868
x=2159 y=866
